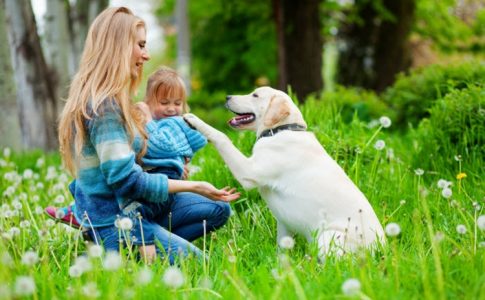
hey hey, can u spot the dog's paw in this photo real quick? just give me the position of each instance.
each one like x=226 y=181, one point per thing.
x=192 y=120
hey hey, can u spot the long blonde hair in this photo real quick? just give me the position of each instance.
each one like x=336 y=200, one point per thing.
x=165 y=81
x=105 y=72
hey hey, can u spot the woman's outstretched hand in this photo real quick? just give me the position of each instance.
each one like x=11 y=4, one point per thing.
x=225 y=194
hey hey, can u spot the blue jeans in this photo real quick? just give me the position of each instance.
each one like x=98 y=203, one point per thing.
x=171 y=226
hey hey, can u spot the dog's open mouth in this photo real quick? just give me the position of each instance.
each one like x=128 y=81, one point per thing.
x=242 y=119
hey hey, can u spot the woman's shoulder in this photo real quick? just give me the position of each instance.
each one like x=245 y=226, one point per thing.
x=102 y=107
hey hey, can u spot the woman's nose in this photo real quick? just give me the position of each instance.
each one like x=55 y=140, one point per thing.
x=146 y=56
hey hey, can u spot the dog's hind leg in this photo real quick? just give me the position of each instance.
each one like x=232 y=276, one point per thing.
x=331 y=242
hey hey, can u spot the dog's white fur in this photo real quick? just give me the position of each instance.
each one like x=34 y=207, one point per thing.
x=306 y=190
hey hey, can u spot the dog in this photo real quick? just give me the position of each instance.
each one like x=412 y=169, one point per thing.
x=305 y=189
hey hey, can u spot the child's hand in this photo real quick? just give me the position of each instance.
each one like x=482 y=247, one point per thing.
x=185 y=175
x=145 y=110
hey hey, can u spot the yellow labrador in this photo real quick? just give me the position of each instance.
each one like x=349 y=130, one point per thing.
x=305 y=189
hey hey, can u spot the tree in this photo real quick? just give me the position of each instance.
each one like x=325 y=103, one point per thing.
x=9 y=121
x=300 y=46
x=375 y=48
x=35 y=93
x=57 y=48
x=183 y=42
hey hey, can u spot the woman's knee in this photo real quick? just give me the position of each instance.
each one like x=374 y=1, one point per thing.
x=221 y=216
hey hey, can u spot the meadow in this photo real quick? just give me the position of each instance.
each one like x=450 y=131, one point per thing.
x=430 y=200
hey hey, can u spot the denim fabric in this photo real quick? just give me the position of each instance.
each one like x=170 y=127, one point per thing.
x=171 y=225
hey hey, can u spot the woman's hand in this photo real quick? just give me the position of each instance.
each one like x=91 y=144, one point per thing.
x=225 y=194
x=203 y=188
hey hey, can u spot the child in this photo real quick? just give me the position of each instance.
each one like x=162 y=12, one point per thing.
x=171 y=142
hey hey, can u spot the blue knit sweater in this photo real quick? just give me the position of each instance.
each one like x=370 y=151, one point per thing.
x=170 y=141
x=108 y=177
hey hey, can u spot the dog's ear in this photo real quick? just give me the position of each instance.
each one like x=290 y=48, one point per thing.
x=277 y=110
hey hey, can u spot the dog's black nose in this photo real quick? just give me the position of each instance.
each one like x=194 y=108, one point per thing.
x=228 y=98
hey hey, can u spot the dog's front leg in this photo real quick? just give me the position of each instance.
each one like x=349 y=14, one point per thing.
x=281 y=231
x=241 y=167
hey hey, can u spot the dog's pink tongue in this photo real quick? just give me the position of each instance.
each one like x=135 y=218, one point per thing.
x=241 y=119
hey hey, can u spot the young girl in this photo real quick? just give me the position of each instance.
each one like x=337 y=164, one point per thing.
x=102 y=137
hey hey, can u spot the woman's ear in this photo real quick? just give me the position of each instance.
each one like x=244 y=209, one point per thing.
x=277 y=111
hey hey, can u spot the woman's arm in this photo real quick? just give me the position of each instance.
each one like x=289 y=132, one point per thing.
x=203 y=188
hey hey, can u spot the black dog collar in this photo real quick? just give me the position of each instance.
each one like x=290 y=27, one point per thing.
x=273 y=131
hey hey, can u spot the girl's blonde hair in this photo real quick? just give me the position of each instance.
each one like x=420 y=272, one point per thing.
x=105 y=72
x=165 y=81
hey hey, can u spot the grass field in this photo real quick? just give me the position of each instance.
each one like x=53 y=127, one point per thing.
x=435 y=249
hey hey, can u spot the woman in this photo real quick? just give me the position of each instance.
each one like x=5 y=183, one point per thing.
x=102 y=138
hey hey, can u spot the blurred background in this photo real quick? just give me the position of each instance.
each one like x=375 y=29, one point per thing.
x=371 y=56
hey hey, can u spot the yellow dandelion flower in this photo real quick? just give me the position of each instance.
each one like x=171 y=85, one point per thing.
x=460 y=176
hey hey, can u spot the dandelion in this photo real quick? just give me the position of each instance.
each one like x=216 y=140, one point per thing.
x=90 y=290
x=95 y=251
x=232 y=259
x=458 y=157
x=40 y=163
x=173 y=277
x=38 y=210
x=443 y=183
x=75 y=271
x=402 y=202
x=379 y=145
x=481 y=222
x=460 y=176
x=7 y=152
x=35 y=198
x=461 y=229
x=28 y=174
x=112 y=261
x=30 y=258
x=351 y=287
x=59 y=199
x=24 y=286
x=125 y=224
x=24 y=224
x=60 y=213
x=145 y=276
x=393 y=229
x=49 y=223
x=419 y=172
x=7 y=260
x=439 y=237
x=385 y=122
x=83 y=263
x=287 y=242
x=446 y=193
x=206 y=283
x=14 y=231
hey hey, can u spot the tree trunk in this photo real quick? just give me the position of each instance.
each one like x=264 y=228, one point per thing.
x=35 y=93
x=183 y=42
x=374 y=50
x=9 y=115
x=57 y=47
x=300 y=45
x=81 y=15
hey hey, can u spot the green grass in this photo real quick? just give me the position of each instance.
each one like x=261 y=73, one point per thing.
x=429 y=259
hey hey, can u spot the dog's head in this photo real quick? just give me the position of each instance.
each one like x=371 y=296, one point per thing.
x=264 y=108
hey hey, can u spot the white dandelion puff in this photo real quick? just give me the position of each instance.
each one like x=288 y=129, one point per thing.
x=461 y=229
x=481 y=222
x=7 y=152
x=385 y=122
x=60 y=213
x=379 y=145
x=392 y=229
x=351 y=287
x=443 y=183
x=206 y=283
x=145 y=276
x=24 y=224
x=30 y=258
x=28 y=174
x=91 y=290
x=83 y=263
x=95 y=251
x=112 y=261
x=75 y=271
x=446 y=193
x=59 y=199
x=173 y=277
x=287 y=242
x=24 y=286
x=7 y=260
x=125 y=224
x=439 y=237
x=419 y=172
x=232 y=259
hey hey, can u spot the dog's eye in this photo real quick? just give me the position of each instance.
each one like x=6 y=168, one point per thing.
x=255 y=95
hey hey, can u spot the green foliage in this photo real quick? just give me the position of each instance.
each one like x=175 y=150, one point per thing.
x=457 y=124
x=233 y=43
x=414 y=94
x=348 y=102
x=438 y=20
